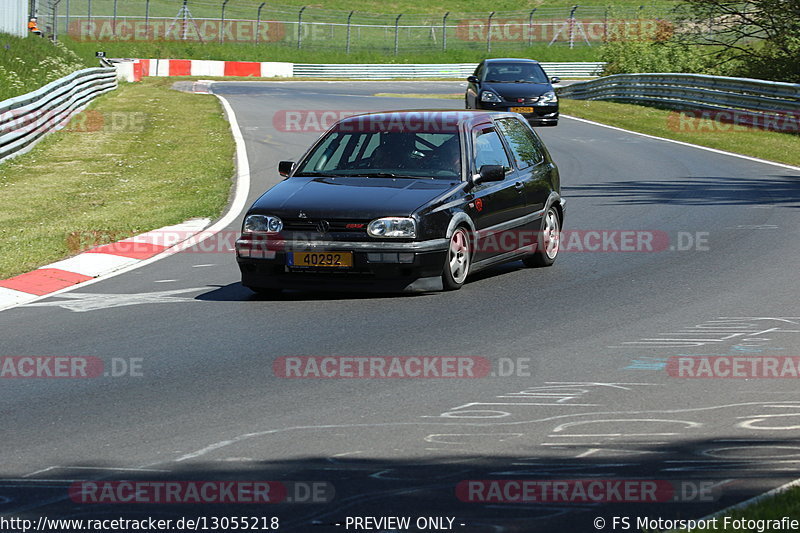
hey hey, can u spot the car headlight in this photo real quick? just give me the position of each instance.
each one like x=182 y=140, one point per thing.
x=489 y=96
x=393 y=227
x=262 y=224
x=548 y=98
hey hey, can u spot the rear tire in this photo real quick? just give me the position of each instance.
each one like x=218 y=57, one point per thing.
x=548 y=242
x=457 y=260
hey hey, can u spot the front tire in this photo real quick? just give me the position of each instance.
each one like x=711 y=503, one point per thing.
x=548 y=243
x=457 y=261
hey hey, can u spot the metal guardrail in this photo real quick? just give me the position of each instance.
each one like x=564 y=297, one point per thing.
x=446 y=70
x=25 y=119
x=748 y=101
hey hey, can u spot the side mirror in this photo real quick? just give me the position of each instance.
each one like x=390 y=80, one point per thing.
x=489 y=173
x=555 y=79
x=285 y=168
x=473 y=79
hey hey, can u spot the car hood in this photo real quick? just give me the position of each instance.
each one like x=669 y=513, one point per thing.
x=349 y=197
x=518 y=90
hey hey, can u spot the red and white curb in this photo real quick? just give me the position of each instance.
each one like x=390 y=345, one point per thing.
x=95 y=263
x=136 y=69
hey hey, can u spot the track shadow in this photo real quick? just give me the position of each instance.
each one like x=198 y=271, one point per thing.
x=782 y=191
x=236 y=292
x=326 y=490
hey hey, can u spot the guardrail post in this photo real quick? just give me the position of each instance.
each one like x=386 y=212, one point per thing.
x=444 y=31
x=572 y=26
x=258 y=21
x=530 y=27
x=222 y=22
x=300 y=27
x=347 y=47
x=397 y=33
x=147 y=18
x=489 y=33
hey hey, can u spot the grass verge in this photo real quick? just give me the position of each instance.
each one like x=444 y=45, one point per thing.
x=247 y=8
x=769 y=145
x=331 y=54
x=27 y=63
x=137 y=159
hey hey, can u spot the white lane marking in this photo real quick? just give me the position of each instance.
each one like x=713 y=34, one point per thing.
x=164 y=280
x=257 y=434
x=242 y=190
x=82 y=302
x=682 y=143
x=203 y=266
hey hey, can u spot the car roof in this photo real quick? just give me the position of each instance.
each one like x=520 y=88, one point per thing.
x=510 y=59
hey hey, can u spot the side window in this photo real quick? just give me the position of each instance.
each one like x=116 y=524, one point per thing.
x=478 y=70
x=489 y=149
x=522 y=142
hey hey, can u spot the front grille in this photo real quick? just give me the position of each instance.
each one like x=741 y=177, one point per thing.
x=525 y=101
x=310 y=225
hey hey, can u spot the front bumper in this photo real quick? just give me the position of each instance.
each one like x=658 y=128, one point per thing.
x=377 y=266
x=542 y=114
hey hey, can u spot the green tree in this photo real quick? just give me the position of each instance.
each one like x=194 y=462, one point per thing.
x=760 y=37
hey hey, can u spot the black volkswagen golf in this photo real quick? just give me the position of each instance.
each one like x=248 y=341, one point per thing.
x=516 y=85
x=405 y=201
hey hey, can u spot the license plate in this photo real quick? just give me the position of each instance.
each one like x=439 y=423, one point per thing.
x=321 y=259
x=522 y=110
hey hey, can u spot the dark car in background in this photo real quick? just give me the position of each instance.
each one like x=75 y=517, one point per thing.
x=515 y=85
x=405 y=201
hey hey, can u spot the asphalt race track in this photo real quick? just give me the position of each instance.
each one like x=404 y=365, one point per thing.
x=588 y=342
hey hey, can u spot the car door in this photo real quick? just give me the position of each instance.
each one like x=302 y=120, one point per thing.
x=535 y=170
x=496 y=207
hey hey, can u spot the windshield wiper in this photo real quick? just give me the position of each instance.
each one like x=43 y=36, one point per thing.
x=380 y=175
x=315 y=173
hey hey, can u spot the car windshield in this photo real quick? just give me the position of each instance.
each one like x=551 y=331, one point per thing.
x=385 y=154
x=515 y=72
